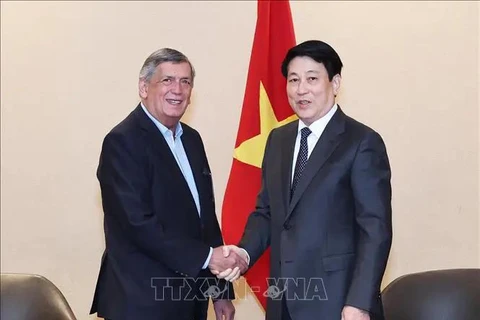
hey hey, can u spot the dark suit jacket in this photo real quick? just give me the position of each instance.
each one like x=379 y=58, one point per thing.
x=156 y=243
x=334 y=236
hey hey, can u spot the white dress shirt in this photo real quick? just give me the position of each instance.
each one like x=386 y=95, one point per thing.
x=317 y=128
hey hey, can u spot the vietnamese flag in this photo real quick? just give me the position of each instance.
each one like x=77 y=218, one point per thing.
x=265 y=107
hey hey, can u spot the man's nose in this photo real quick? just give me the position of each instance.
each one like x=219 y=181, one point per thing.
x=176 y=87
x=302 y=87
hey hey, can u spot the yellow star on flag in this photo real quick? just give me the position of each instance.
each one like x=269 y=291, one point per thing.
x=251 y=151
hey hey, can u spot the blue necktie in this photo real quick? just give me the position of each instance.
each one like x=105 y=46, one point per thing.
x=302 y=158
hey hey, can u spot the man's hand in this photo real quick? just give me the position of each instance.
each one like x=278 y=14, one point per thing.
x=352 y=313
x=221 y=261
x=224 y=308
x=232 y=274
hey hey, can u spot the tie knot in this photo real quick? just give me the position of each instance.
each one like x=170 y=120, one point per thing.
x=305 y=132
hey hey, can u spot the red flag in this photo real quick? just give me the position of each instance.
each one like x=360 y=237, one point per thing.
x=265 y=107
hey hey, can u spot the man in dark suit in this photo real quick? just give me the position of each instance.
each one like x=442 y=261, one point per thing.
x=325 y=202
x=161 y=233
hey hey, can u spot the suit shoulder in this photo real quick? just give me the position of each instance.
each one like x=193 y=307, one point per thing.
x=189 y=131
x=358 y=128
x=289 y=126
x=285 y=129
x=126 y=125
x=186 y=128
x=363 y=134
x=126 y=131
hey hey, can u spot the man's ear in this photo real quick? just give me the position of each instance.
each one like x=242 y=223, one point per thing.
x=143 y=88
x=336 y=81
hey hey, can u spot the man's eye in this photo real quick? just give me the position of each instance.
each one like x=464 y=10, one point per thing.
x=312 y=78
x=167 y=81
x=186 y=81
x=293 y=80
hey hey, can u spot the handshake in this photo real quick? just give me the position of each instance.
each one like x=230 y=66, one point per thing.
x=229 y=262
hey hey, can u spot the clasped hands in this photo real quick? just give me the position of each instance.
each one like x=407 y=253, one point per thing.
x=228 y=262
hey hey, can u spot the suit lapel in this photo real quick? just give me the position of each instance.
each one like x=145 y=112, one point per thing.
x=161 y=148
x=196 y=161
x=288 y=146
x=328 y=142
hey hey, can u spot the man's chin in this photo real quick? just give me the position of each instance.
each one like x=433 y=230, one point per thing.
x=176 y=113
x=306 y=117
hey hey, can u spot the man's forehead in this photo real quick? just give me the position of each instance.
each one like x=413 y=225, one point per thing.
x=174 y=69
x=290 y=72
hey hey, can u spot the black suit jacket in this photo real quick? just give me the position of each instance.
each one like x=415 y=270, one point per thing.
x=156 y=242
x=333 y=238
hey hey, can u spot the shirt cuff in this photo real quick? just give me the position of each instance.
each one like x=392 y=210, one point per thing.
x=205 y=265
x=248 y=256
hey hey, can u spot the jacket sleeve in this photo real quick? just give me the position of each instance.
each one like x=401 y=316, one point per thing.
x=256 y=236
x=222 y=289
x=370 y=181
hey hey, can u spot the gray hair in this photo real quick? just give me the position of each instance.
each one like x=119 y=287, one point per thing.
x=160 y=56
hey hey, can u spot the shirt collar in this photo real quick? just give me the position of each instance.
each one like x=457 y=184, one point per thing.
x=164 y=130
x=319 y=125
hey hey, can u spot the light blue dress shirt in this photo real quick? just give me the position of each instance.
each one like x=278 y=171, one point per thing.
x=176 y=146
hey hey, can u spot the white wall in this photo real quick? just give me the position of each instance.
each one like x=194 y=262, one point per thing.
x=478 y=103
x=69 y=73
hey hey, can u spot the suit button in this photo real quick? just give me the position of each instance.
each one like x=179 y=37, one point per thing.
x=287 y=226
